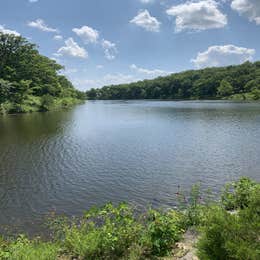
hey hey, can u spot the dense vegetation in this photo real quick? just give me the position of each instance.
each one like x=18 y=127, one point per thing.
x=121 y=233
x=29 y=81
x=240 y=82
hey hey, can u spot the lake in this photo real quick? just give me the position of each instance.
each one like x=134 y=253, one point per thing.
x=135 y=151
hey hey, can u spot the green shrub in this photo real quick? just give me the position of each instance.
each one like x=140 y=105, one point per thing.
x=228 y=235
x=47 y=102
x=237 y=194
x=118 y=232
x=162 y=231
x=24 y=249
x=104 y=233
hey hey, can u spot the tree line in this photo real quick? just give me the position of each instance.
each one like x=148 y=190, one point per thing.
x=30 y=81
x=240 y=82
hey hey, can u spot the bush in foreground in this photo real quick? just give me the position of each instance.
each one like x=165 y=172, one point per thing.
x=24 y=249
x=119 y=232
x=233 y=235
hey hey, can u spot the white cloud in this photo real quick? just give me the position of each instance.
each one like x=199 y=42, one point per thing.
x=70 y=71
x=117 y=78
x=109 y=49
x=87 y=34
x=8 y=31
x=58 y=37
x=150 y=73
x=41 y=25
x=146 y=1
x=33 y=1
x=248 y=8
x=223 y=56
x=146 y=21
x=108 y=79
x=99 y=67
x=72 y=49
x=198 y=16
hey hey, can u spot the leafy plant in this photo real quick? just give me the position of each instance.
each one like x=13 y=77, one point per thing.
x=24 y=249
x=25 y=74
x=237 y=194
x=103 y=233
x=233 y=236
x=162 y=231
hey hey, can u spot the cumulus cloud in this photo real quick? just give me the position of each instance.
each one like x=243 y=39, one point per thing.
x=248 y=8
x=69 y=71
x=87 y=34
x=8 y=31
x=41 y=25
x=150 y=73
x=110 y=49
x=108 y=79
x=72 y=49
x=58 y=37
x=146 y=21
x=197 y=16
x=146 y=1
x=224 y=55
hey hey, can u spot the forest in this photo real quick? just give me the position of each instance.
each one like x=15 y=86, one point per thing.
x=240 y=82
x=30 y=81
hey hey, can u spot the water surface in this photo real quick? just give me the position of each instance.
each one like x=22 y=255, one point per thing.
x=136 y=151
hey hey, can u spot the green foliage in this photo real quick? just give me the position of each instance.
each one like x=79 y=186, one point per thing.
x=237 y=194
x=5 y=89
x=25 y=73
x=24 y=249
x=46 y=102
x=194 y=210
x=104 y=233
x=253 y=84
x=225 y=89
x=232 y=236
x=210 y=83
x=163 y=230
x=118 y=232
x=235 y=235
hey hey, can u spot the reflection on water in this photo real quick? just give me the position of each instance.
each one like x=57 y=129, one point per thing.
x=137 y=151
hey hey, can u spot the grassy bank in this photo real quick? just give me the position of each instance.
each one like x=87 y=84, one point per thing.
x=38 y=104
x=227 y=229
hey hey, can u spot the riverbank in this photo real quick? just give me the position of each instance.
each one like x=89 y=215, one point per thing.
x=117 y=232
x=38 y=104
x=31 y=82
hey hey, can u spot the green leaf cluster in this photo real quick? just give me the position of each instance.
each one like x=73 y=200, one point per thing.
x=30 y=81
x=122 y=232
x=233 y=82
x=233 y=235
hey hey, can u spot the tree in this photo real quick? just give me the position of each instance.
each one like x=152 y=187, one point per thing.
x=225 y=89
x=5 y=88
x=25 y=74
x=252 y=84
x=216 y=82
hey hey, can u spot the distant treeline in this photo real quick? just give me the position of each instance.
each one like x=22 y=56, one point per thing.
x=30 y=81
x=241 y=82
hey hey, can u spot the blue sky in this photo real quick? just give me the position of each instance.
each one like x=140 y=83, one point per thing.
x=104 y=42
